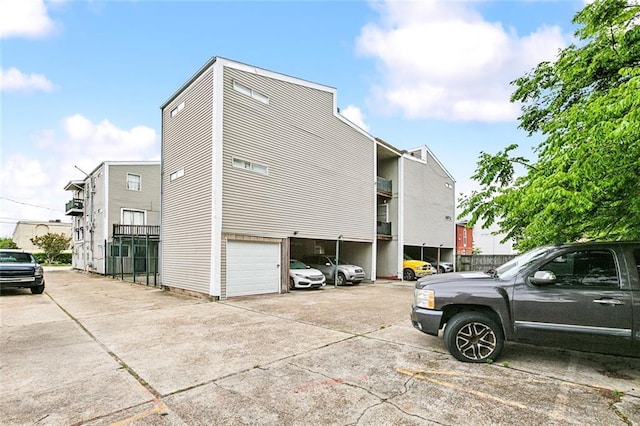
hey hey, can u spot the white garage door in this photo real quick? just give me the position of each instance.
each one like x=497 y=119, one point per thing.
x=252 y=268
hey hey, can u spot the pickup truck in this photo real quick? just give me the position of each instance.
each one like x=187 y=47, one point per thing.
x=19 y=269
x=581 y=296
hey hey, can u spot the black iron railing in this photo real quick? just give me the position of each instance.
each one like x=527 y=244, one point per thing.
x=136 y=229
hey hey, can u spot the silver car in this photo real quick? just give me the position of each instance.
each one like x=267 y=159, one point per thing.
x=444 y=266
x=347 y=273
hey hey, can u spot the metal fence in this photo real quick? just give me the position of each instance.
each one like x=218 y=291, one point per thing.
x=481 y=262
x=134 y=258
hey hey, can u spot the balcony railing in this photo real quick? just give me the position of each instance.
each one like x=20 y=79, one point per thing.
x=136 y=229
x=384 y=228
x=384 y=186
x=74 y=207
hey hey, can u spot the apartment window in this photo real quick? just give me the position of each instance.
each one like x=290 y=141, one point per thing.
x=177 y=174
x=133 y=217
x=134 y=182
x=248 y=165
x=115 y=251
x=383 y=213
x=250 y=92
x=177 y=109
x=464 y=237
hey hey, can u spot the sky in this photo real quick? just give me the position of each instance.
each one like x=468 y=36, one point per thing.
x=81 y=82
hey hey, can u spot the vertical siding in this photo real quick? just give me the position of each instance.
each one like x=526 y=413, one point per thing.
x=427 y=204
x=186 y=201
x=321 y=179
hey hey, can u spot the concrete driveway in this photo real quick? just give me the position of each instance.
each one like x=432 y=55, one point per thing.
x=97 y=351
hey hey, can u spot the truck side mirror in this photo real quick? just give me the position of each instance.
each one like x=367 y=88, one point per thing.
x=543 y=278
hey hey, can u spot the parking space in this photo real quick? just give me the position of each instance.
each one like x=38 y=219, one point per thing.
x=93 y=350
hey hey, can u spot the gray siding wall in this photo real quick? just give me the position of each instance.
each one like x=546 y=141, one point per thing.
x=147 y=199
x=186 y=202
x=427 y=203
x=321 y=180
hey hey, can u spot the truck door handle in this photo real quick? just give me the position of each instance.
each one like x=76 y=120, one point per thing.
x=608 y=302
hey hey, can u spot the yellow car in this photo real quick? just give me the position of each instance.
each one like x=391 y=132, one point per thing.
x=414 y=269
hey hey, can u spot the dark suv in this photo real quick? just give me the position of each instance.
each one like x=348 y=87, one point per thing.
x=19 y=269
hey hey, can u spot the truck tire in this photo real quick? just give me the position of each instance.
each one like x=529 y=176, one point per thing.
x=408 y=275
x=473 y=337
x=37 y=289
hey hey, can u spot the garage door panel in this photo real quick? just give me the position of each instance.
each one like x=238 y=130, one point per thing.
x=252 y=268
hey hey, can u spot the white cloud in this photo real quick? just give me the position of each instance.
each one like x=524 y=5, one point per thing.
x=12 y=79
x=39 y=179
x=443 y=60
x=355 y=115
x=24 y=18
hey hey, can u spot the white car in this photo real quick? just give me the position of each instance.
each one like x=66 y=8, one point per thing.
x=444 y=266
x=304 y=276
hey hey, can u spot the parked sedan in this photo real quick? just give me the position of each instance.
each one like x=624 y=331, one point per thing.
x=442 y=268
x=347 y=273
x=304 y=276
x=19 y=269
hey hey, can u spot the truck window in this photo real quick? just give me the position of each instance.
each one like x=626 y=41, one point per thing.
x=585 y=269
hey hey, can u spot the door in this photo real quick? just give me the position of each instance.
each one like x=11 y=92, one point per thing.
x=584 y=309
x=252 y=268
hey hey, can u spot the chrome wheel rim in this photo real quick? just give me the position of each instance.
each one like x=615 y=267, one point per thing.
x=476 y=341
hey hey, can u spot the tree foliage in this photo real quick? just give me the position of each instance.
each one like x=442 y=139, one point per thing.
x=52 y=245
x=7 y=243
x=585 y=182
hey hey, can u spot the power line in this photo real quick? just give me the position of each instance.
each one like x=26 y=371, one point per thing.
x=31 y=205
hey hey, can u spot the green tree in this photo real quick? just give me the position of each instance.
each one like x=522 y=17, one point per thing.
x=8 y=243
x=585 y=182
x=52 y=245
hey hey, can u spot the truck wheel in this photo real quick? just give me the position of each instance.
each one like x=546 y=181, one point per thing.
x=473 y=337
x=38 y=289
x=408 y=275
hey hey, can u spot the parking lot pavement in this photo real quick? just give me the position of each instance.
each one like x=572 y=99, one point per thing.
x=97 y=351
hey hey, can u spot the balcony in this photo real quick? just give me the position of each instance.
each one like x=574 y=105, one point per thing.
x=384 y=186
x=136 y=230
x=383 y=229
x=74 y=207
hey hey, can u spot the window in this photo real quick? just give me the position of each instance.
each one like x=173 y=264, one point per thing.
x=134 y=182
x=250 y=92
x=248 y=165
x=115 y=251
x=177 y=109
x=585 y=269
x=177 y=174
x=464 y=237
x=133 y=217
